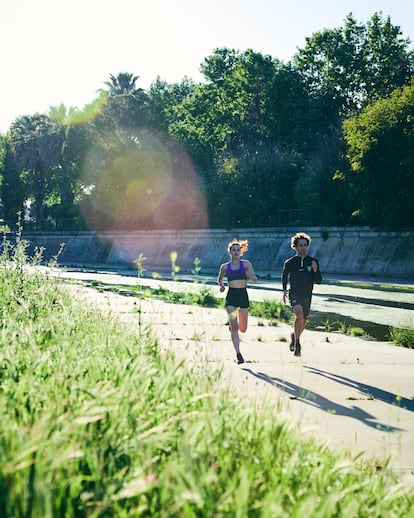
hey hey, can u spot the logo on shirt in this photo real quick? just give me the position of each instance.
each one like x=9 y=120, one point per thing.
x=309 y=268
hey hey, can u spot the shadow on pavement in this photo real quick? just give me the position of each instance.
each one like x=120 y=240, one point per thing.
x=368 y=390
x=317 y=401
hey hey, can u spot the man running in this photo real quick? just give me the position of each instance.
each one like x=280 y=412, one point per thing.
x=303 y=271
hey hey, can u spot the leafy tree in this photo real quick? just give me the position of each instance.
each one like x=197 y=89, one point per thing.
x=355 y=64
x=230 y=120
x=343 y=69
x=388 y=62
x=319 y=193
x=380 y=151
x=165 y=98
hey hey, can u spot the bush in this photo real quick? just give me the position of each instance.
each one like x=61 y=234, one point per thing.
x=270 y=309
x=402 y=336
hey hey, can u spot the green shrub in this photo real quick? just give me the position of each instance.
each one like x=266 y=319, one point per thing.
x=270 y=309
x=402 y=336
x=356 y=331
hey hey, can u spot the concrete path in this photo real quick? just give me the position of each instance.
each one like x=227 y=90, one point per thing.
x=348 y=393
x=384 y=308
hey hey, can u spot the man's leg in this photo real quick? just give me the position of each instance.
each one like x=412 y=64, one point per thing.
x=300 y=321
x=299 y=326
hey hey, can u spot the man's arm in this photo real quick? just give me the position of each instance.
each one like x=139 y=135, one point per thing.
x=317 y=276
x=284 y=283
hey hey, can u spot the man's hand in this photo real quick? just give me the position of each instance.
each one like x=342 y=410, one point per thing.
x=314 y=266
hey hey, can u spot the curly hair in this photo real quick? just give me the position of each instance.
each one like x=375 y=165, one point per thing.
x=296 y=237
x=243 y=243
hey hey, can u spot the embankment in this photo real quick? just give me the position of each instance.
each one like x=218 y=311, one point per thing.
x=341 y=251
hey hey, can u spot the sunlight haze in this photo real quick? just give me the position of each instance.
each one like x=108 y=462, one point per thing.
x=56 y=51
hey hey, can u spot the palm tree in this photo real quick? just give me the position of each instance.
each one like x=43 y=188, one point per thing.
x=123 y=83
x=36 y=144
x=127 y=106
x=12 y=189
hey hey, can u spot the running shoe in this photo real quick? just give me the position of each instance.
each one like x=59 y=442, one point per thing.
x=240 y=358
x=297 y=349
x=292 y=342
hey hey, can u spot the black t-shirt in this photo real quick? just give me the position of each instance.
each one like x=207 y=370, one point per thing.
x=302 y=277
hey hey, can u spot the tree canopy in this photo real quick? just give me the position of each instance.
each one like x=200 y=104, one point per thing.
x=326 y=137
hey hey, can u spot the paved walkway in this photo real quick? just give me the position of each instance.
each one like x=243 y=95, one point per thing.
x=348 y=393
x=386 y=308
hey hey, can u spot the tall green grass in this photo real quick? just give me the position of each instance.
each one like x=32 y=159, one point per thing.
x=402 y=336
x=96 y=422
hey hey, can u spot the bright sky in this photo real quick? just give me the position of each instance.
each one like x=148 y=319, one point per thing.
x=62 y=51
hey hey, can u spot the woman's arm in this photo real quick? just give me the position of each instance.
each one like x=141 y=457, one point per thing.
x=220 y=277
x=249 y=270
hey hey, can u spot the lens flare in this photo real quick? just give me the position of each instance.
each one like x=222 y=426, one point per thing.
x=148 y=183
x=73 y=116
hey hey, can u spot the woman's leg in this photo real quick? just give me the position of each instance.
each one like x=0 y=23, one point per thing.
x=243 y=317
x=234 y=327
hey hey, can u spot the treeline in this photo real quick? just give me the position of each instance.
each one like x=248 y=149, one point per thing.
x=327 y=138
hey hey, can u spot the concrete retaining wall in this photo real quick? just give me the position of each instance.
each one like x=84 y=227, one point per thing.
x=341 y=251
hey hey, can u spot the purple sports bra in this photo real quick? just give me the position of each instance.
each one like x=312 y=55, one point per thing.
x=234 y=275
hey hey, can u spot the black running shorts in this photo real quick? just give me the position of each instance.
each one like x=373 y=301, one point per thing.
x=237 y=297
x=305 y=302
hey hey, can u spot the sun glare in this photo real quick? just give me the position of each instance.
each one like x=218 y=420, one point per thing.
x=149 y=183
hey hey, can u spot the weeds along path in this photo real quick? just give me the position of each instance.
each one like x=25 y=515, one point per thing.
x=351 y=394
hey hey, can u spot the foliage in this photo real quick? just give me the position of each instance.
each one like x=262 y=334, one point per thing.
x=126 y=104
x=380 y=144
x=13 y=192
x=271 y=309
x=402 y=336
x=356 y=331
x=95 y=421
x=36 y=145
x=270 y=133
x=355 y=64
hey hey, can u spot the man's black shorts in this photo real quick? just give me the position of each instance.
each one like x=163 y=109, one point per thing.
x=297 y=300
x=237 y=297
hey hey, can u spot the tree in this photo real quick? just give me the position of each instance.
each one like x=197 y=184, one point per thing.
x=246 y=126
x=164 y=100
x=380 y=152
x=123 y=83
x=13 y=193
x=126 y=105
x=388 y=62
x=343 y=70
x=36 y=144
x=355 y=64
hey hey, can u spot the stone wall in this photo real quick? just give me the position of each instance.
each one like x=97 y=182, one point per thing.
x=341 y=251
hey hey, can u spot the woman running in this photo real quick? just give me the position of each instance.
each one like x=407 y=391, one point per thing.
x=237 y=300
